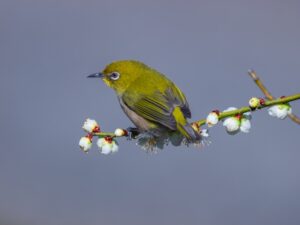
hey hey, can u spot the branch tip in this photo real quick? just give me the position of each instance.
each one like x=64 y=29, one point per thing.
x=267 y=94
x=252 y=74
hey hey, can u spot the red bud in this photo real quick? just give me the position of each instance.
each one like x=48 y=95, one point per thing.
x=89 y=136
x=125 y=132
x=262 y=101
x=109 y=139
x=216 y=111
x=96 y=129
x=238 y=116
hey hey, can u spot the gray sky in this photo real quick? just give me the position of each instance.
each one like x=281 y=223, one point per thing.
x=206 y=47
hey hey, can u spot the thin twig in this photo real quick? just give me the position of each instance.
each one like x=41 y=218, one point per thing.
x=268 y=95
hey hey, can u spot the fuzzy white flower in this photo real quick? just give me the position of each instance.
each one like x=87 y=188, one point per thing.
x=90 y=126
x=245 y=125
x=232 y=125
x=237 y=123
x=212 y=118
x=107 y=145
x=85 y=143
x=280 y=111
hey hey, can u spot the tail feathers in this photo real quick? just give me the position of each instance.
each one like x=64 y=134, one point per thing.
x=184 y=127
x=189 y=133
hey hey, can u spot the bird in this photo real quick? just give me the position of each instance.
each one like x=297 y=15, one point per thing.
x=154 y=104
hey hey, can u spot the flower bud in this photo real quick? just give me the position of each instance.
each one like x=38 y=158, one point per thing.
x=121 y=132
x=262 y=101
x=85 y=143
x=212 y=118
x=90 y=126
x=254 y=103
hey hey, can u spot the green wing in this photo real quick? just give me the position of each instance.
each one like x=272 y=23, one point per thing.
x=181 y=101
x=158 y=106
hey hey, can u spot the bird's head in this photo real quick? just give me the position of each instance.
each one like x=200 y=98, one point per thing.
x=120 y=74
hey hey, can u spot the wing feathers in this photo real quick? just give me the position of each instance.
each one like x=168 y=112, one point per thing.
x=159 y=106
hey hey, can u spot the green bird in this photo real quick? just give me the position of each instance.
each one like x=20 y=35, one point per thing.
x=155 y=105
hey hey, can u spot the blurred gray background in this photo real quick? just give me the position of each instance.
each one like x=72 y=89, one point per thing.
x=206 y=47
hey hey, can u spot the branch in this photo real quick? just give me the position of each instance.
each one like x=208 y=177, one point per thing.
x=224 y=115
x=268 y=95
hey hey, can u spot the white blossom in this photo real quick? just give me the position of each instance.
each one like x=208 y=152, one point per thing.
x=245 y=125
x=90 y=126
x=280 y=111
x=232 y=125
x=85 y=143
x=212 y=119
x=237 y=123
x=107 y=145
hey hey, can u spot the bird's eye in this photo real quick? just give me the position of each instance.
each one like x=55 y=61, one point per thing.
x=114 y=76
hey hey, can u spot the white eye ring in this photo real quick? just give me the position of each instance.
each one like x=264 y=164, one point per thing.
x=114 y=76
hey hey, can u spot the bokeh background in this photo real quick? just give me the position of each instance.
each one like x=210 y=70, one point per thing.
x=206 y=47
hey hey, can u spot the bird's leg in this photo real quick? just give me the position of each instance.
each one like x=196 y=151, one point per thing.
x=133 y=132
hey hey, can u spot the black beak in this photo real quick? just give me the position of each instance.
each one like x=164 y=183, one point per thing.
x=96 y=75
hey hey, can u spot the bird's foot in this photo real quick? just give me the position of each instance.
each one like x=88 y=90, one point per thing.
x=133 y=132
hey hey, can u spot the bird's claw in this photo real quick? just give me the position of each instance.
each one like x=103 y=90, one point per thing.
x=133 y=132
